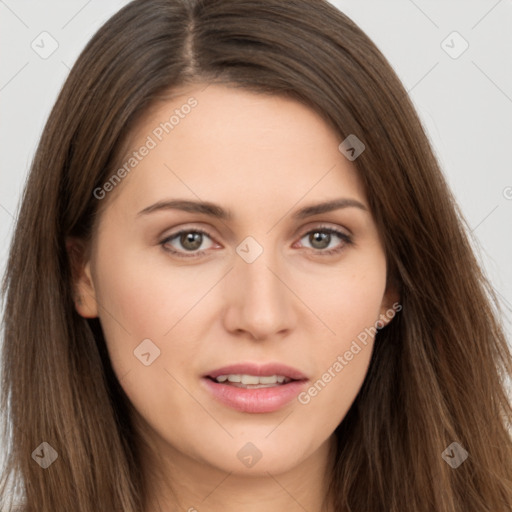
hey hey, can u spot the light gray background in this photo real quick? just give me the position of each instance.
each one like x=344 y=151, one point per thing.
x=465 y=102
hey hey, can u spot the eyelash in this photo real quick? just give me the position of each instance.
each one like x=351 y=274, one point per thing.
x=347 y=240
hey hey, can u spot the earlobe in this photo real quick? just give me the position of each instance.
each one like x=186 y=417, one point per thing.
x=389 y=308
x=85 y=302
x=84 y=293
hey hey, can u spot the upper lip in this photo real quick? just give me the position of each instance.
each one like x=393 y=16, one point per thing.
x=258 y=370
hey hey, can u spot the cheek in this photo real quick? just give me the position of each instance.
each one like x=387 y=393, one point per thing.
x=151 y=307
x=144 y=307
x=334 y=389
x=349 y=305
x=342 y=360
x=140 y=296
x=134 y=303
x=349 y=300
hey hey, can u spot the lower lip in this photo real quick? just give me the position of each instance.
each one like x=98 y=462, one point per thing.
x=255 y=400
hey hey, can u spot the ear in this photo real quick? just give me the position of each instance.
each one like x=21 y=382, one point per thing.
x=83 y=286
x=390 y=306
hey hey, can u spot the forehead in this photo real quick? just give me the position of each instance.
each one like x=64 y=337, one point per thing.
x=223 y=143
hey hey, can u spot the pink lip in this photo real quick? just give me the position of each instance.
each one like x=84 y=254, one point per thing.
x=261 y=400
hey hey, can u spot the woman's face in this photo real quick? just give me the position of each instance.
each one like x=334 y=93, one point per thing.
x=263 y=279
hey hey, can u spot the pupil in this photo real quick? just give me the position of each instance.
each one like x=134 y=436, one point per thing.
x=320 y=240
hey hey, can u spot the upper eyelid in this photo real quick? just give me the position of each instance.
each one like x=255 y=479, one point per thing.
x=303 y=231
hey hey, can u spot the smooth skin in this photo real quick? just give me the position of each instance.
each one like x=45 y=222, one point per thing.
x=262 y=158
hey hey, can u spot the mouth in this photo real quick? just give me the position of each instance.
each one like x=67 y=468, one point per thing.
x=251 y=381
x=253 y=388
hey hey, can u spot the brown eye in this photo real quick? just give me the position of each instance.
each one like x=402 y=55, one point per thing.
x=191 y=240
x=319 y=239
x=325 y=240
x=187 y=241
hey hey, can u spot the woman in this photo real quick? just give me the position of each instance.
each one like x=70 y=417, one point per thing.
x=239 y=279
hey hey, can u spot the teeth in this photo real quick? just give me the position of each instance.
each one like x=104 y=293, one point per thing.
x=272 y=379
x=253 y=379
x=247 y=379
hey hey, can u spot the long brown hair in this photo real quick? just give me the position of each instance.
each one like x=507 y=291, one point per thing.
x=438 y=369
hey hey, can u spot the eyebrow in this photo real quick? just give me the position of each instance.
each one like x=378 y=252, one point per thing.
x=214 y=210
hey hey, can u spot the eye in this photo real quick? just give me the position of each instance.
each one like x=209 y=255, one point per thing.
x=187 y=240
x=195 y=242
x=326 y=240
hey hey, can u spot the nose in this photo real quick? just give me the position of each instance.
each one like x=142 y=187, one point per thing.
x=259 y=301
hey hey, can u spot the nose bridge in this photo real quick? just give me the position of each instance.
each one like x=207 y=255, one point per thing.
x=253 y=271
x=258 y=301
